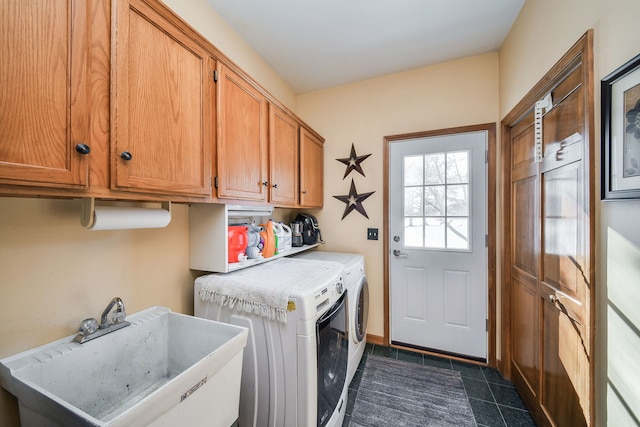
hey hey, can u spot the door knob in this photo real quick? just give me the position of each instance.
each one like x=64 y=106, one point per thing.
x=126 y=156
x=398 y=252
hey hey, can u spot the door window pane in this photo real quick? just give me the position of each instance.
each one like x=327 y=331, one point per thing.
x=434 y=200
x=437 y=200
x=434 y=169
x=434 y=233
x=414 y=232
x=413 y=201
x=457 y=200
x=458 y=167
x=458 y=233
x=413 y=170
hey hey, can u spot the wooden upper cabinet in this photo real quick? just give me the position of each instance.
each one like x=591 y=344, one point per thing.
x=43 y=93
x=242 y=139
x=162 y=93
x=311 y=169
x=283 y=158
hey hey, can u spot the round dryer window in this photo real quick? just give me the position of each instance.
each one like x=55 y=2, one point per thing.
x=362 y=310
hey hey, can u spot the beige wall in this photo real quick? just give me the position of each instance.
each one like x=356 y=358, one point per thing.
x=54 y=273
x=544 y=30
x=457 y=93
x=211 y=25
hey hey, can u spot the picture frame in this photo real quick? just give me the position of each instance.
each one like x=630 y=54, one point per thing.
x=620 y=154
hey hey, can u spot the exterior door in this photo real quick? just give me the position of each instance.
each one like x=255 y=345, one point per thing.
x=437 y=242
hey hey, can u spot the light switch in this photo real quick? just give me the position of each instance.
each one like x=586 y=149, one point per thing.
x=372 y=234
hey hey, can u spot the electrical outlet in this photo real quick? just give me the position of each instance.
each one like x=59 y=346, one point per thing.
x=372 y=234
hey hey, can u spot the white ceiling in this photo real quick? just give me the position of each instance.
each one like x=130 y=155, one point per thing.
x=315 y=44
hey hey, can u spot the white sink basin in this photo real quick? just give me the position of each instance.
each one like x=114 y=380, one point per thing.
x=166 y=369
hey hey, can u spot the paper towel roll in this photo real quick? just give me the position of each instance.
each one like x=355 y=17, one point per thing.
x=124 y=218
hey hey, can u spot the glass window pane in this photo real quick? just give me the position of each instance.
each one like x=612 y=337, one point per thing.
x=458 y=167
x=458 y=200
x=458 y=233
x=413 y=232
x=434 y=233
x=413 y=201
x=434 y=170
x=434 y=200
x=413 y=170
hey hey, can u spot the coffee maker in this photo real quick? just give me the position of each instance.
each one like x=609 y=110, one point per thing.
x=296 y=234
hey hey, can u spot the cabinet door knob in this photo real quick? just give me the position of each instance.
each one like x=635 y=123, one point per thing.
x=83 y=148
x=304 y=192
x=266 y=183
x=125 y=155
x=275 y=185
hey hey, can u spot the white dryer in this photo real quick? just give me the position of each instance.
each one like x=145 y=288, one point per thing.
x=355 y=281
x=294 y=371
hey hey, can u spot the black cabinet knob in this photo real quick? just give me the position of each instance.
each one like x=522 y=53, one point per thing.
x=83 y=148
x=266 y=183
x=125 y=155
x=275 y=185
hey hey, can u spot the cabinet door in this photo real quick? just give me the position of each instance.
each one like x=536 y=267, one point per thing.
x=283 y=158
x=161 y=95
x=242 y=139
x=43 y=94
x=311 y=169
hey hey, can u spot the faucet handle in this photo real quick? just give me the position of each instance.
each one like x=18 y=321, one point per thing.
x=88 y=326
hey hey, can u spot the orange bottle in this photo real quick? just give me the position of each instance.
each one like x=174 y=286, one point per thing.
x=269 y=240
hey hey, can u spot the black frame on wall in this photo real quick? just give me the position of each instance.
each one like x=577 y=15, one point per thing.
x=608 y=85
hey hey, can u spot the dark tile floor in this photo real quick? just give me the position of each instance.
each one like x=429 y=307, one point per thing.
x=494 y=400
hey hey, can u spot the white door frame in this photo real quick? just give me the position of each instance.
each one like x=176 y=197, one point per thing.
x=490 y=128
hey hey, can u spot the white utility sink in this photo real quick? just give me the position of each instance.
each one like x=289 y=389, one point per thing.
x=165 y=369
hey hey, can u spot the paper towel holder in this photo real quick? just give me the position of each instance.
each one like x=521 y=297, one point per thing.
x=88 y=217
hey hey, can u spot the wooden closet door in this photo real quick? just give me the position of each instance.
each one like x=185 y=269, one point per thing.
x=549 y=255
x=565 y=283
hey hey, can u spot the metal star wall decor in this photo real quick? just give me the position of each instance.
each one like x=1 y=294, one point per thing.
x=354 y=201
x=353 y=162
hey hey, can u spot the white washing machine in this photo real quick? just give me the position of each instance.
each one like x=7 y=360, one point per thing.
x=355 y=281
x=293 y=372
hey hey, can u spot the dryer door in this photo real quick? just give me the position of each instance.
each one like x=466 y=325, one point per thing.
x=333 y=356
x=361 y=314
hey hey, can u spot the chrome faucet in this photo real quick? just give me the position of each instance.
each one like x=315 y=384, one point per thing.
x=111 y=320
x=117 y=317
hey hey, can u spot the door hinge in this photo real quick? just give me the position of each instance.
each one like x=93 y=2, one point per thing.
x=486 y=240
x=486 y=325
x=215 y=182
x=215 y=75
x=486 y=156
